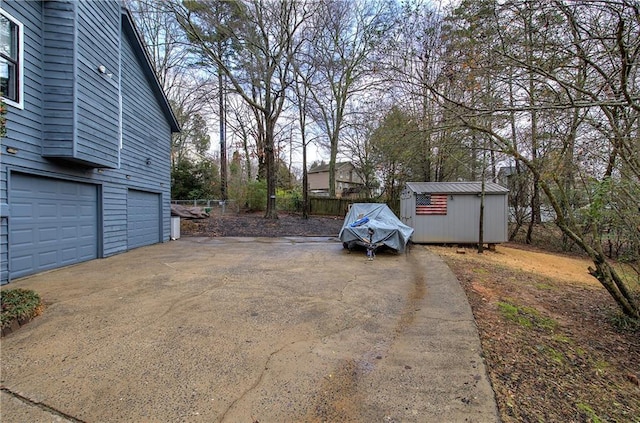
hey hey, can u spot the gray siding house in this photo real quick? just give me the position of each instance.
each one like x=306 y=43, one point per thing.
x=85 y=163
x=449 y=212
x=347 y=181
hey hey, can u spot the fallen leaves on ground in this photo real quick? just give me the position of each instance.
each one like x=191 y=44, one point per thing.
x=254 y=225
x=550 y=347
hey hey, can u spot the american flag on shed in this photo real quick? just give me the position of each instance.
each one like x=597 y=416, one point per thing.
x=431 y=204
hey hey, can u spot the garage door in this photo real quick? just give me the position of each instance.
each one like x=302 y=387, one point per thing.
x=53 y=223
x=143 y=218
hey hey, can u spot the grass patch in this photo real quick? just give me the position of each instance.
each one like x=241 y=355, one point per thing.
x=527 y=317
x=19 y=304
x=545 y=287
x=624 y=323
x=600 y=366
x=562 y=338
x=555 y=355
x=588 y=412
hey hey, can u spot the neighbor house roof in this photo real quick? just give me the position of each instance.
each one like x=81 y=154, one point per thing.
x=456 y=187
x=324 y=167
x=147 y=66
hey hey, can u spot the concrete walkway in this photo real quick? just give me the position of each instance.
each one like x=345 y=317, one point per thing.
x=248 y=330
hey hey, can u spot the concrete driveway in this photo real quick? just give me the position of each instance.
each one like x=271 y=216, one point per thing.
x=248 y=330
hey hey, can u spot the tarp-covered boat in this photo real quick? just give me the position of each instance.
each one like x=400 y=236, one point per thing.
x=373 y=225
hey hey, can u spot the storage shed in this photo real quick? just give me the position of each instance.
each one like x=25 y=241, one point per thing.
x=449 y=212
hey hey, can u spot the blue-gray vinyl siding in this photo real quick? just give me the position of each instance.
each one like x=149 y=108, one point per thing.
x=47 y=118
x=146 y=149
x=58 y=109
x=4 y=243
x=81 y=107
x=144 y=217
x=54 y=223
x=98 y=126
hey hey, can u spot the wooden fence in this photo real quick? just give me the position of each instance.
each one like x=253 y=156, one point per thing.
x=322 y=206
x=339 y=206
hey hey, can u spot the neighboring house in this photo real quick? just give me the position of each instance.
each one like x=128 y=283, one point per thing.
x=347 y=182
x=85 y=169
x=449 y=212
x=517 y=184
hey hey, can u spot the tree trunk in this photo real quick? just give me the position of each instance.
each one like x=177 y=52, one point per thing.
x=604 y=272
x=270 y=168
x=305 y=181
x=332 y=169
x=481 y=223
x=223 y=138
x=610 y=279
x=535 y=197
x=534 y=204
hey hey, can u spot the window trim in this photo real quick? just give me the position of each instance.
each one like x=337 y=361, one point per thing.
x=20 y=71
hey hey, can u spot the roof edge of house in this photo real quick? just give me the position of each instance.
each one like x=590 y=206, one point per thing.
x=130 y=27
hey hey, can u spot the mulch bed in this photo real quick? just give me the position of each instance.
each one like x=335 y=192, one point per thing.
x=255 y=225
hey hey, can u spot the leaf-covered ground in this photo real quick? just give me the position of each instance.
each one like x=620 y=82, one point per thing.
x=548 y=337
x=254 y=225
x=551 y=349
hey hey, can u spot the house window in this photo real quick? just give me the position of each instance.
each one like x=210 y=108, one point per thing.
x=11 y=50
x=430 y=204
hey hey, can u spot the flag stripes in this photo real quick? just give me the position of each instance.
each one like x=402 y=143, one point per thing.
x=431 y=204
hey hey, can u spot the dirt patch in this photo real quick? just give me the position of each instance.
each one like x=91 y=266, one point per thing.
x=547 y=335
x=338 y=400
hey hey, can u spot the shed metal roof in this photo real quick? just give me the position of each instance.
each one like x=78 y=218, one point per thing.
x=456 y=187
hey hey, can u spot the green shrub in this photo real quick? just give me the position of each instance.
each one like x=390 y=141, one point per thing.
x=19 y=304
x=257 y=195
x=289 y=200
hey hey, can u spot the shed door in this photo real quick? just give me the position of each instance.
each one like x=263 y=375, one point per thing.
x=143 y=218
x=53 y=223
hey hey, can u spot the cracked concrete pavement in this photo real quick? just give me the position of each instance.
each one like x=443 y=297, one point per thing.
x=248 y=330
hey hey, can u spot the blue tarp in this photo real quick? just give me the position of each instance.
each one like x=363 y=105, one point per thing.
x=387 y=229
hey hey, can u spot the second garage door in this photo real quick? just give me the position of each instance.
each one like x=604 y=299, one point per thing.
x=143 y=218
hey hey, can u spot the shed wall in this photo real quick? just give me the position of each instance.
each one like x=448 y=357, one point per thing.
x=461 y=223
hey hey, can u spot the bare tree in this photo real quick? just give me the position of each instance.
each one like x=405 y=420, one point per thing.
x=358 y=144
x=412 y=58
x=244 y=133
x=346 y=35
x=258 y=65
x=584 y=76
x=303 y=76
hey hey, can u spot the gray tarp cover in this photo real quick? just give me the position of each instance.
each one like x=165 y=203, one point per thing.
x=388 y=229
